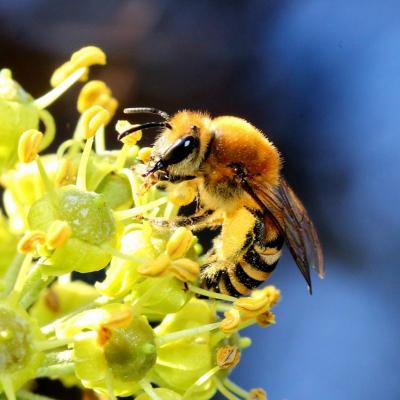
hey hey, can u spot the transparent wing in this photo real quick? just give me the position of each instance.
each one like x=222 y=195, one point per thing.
x=295 y=224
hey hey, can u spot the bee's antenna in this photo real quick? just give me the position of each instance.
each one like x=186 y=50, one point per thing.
x=146 y=125
x=150 y=110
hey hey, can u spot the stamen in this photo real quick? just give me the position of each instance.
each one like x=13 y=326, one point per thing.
x=135 y=211
x=231 y=321
x=235 y=388
x=56 y=370
x=266 y=319
x=59 y=232
x=228 y=357
x=203 y=379
x=257 y=394
x=144 y=154
x=146 y=125
x=66 y=173
x=120 y=319
x=185 y=269
x=156 y=267
x=53 y=344
x=171 y=337
x=223 y=390
x=99 y=141
x=251 y=307
x=30 y=240
x=92 y=119
x=50 y=97
x=179 y=243
x=96 y=93
x=81 y=177
x=50 y=129
x=212 y=295
x=52 y=300
x=28 y=145
x=122 y=156
x=67 y=145
x=146 y=386
x=116 y=253
x=171 y=210
x=104 y=334
x=134 y=183
x=123 y=127
x=244 y=342
x=82 y=58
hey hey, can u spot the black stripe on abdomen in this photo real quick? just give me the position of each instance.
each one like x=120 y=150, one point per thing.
x=277 y=242
x=245 y=279
x=254 y=259
x=230 y=289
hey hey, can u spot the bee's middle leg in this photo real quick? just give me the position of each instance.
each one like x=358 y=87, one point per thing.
x=196 y=221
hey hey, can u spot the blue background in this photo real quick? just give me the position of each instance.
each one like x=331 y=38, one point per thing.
x=322 y=79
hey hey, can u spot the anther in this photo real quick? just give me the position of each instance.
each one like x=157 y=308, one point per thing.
x=30 y=240
x=82 y=58
x=156 y=267
x=132 y=138
x=257 y=394
x=92 y=119
x=28 y=145
x=228 y=357
x=58 y=233
x=185 y=269
x=179 y=243
x=231 y=321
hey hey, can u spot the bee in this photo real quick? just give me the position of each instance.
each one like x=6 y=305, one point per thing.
x=237 y=173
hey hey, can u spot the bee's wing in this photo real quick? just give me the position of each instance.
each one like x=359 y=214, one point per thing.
x=295 y=224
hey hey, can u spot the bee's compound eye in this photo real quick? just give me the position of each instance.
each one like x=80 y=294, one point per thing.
x=181 y=149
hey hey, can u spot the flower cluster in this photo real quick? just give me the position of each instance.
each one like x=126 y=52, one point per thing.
x=147 y=329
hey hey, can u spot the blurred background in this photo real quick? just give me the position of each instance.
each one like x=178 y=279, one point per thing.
x=322 y=80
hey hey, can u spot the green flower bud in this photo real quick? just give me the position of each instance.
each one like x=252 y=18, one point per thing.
x=92 y=225
x=131 y=352
x=18 y=333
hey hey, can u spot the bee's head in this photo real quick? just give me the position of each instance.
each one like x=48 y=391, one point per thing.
x=181 y=146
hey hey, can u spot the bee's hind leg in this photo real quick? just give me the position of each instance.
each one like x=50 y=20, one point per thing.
x=216 y=277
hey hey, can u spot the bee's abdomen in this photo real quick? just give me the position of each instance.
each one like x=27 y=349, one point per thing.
x=255 y=267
